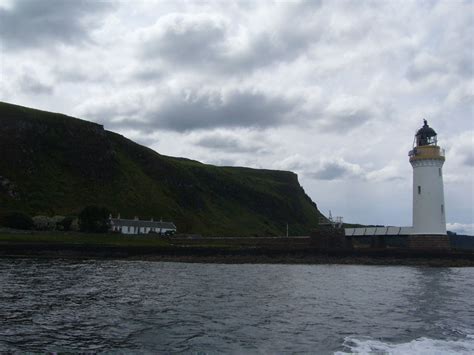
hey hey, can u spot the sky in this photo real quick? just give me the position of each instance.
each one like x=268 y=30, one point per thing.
x=332 y=90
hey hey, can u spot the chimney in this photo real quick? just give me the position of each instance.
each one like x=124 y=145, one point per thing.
x=136 y=218
x=151 y=220
x=118 y=215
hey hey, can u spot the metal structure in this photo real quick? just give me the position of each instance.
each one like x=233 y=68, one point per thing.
x=335 y=222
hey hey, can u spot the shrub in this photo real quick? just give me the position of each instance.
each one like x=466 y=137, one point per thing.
x=17 y=220
x=41 y=223
x=65 y=224
x=56 y=222
x=94 y=219
x=69 y=223
x=49 y=223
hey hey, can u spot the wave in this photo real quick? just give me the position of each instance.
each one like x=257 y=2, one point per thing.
x=417 y=346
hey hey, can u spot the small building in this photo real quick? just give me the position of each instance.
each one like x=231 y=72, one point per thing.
x=137 y=226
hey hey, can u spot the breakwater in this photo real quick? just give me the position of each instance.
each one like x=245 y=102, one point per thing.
x=241 y=250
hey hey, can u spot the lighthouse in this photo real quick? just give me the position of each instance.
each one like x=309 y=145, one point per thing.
x=427 y=159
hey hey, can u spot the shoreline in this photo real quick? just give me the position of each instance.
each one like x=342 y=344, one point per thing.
x=219 y=255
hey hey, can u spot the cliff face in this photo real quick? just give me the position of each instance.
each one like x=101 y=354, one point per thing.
x=55 y=164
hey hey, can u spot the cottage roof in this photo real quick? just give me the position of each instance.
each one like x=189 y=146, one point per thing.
x=137 y=223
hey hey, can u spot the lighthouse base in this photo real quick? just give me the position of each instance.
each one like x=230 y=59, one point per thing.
x=429 y=242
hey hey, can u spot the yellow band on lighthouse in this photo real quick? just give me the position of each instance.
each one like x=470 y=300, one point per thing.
x=427 y=152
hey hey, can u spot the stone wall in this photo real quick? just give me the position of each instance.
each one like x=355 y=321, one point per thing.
x=429 y=242
x=329 y=238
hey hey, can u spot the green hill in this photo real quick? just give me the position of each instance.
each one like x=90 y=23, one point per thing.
x=56 y=164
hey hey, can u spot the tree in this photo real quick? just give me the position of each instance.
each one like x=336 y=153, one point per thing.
x=68 y=223
x=94 y=219
x=17 y=220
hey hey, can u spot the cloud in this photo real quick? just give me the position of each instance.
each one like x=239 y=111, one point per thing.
x=192 y=110
x=461 y=228
x=240 y=142
x=79 y=73
x=469 y=159
x=223 y=162
x=338 y=168
x=335 y=169
x=214 y=109
x=31 y=85
x=32 y=23
x=185 y=39
x=387 y=173
x=216 y=43
x=147 y=74
x=461 y=150
x=424 y=65
x=345 y=113
x=294 y=162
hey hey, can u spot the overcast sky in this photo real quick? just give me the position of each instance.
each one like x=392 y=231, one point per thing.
x=332 y=90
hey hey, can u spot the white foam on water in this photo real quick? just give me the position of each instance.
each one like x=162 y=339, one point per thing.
x=416 y=346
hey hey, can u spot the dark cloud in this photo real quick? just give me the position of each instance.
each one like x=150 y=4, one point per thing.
x=229 y=143
x=342 y=116
x=469 y=158
x=148 y=74
x=330 y=171
x=33 y=23
x=343 y=122
x=80 y=73
x=208 y=42
x=337 y=169
x=186 y=40
x=267 y=48
x=194 y=111
x=238 y=109
x=30 y=85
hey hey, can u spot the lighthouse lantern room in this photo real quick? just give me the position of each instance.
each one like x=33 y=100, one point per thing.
x=427 y=159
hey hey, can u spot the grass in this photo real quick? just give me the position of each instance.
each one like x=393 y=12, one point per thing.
x=120 y=240
x=83 y=239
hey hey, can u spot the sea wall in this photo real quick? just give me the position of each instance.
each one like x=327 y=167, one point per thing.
x=462 y=242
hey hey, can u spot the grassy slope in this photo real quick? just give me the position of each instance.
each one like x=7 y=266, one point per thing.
x=57 y=164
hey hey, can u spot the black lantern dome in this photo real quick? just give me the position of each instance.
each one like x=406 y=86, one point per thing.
x=426 y=135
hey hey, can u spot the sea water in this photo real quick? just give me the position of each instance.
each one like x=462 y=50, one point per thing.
x=149 y=307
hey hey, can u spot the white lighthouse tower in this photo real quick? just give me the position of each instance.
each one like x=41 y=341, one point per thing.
x=427 y=159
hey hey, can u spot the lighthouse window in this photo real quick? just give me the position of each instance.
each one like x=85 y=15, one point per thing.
x=439 y=170
x=442 y=209
x=419 y=190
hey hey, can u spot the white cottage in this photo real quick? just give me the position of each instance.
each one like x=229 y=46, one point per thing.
x=136 y=226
